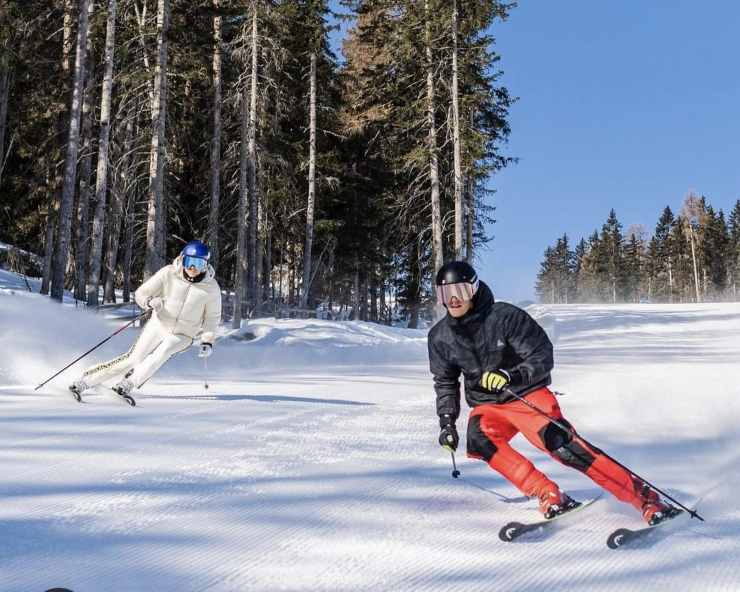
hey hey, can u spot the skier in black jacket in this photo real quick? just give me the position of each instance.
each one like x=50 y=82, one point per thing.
x=498 y=347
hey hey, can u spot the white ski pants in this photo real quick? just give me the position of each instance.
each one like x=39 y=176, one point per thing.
x=151 y=350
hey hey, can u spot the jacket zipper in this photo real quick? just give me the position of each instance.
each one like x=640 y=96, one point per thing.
x=184 y=300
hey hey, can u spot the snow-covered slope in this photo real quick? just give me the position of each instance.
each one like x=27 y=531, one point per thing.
x=311 y=463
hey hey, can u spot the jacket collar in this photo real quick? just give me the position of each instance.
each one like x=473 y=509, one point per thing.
x=482 y=304
x=209 y=274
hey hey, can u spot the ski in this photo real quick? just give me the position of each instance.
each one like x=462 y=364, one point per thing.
x=76 y=394
x=623 y=537
x=513 y=530
x=127 y=398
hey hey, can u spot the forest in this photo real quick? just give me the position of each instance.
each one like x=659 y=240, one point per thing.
x=692 y=256
x=318 y=179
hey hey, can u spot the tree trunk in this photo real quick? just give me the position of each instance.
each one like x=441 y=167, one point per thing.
x=49 y=238
x=437 y=254
x=82 y=221
x=470 y=222
x=4 y=97
x=53 y=181
x=374 y=298
x=269 y=287
x=306 y=287
x=252 y=163
x=121 y=187
x=693 y=261
x=214 y=214
x=459 y=206
x=356 y=303
x=101 y=181
x=414 y=286
x=240 y=272
x=128 y=248
x=70 y=165
x=114 y=235
x=382 y=317
x=155 y=209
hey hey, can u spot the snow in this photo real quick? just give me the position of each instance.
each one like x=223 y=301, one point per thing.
x=311 y=462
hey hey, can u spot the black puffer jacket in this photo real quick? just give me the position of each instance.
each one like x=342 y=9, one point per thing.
x=494 y=335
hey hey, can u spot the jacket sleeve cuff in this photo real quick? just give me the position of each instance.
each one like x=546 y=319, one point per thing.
x=446 y=419
x=516 y=378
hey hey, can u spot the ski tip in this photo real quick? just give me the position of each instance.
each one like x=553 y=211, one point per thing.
x=510 y=531
x=618 y=538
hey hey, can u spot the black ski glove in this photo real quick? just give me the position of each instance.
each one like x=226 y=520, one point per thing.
x=448 y=435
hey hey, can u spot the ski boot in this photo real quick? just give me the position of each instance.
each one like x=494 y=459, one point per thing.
x=656 y=512
x=123 y=388
x=554 y=502
x=77 y=388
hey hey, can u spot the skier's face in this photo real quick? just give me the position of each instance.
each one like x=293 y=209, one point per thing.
x=192 y=272
x=458 y=308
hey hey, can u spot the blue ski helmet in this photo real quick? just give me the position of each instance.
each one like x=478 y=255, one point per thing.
x=196 y=248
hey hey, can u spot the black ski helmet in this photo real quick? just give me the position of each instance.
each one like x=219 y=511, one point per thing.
x=456 y=272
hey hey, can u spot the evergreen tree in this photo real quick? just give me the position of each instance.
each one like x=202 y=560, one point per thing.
x=733 y=249
x=660 y=254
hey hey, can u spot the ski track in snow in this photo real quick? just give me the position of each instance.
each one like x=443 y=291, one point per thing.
x=292 y=474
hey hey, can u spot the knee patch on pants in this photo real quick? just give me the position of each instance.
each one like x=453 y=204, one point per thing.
x=478 y=445
x=562 y=445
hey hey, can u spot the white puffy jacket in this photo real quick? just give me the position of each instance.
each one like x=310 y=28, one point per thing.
x=189 y=307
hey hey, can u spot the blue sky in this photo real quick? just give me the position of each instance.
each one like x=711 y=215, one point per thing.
x=622 y=104
x=625 y=105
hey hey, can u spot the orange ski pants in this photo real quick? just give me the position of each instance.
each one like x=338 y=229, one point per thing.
x=492 y=426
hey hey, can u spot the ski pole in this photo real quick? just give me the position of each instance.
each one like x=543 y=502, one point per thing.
x=131 y=322
x=573 y=434
x=205 y=372
x=455 y=472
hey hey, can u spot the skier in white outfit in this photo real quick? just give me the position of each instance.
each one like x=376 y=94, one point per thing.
x=185 y=299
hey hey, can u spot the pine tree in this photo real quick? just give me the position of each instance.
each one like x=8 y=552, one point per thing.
x=660 y=254
x=733 y=249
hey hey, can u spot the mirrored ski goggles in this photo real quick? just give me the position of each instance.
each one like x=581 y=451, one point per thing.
x=199 y=263
x=462 y=291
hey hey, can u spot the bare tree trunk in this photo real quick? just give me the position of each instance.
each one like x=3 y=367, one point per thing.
x=693 y=261
x=53 y=183
x=306 y=287
x=415 y=286
x=121 y=186
x=459 y=206
x=259 y=257
x=269 y=287
x=49 y=238
x=252 y=163
x=214 y=214
x=363 y=296
x=155 y=209
x=101 y=181
x=470 y=220
x=373 y=297
x=240 y=273
x=70 y=165
x=437 y=254
x=382 y=317
x=82 y=223
x=356 y=289
x=128 y=248
x=4 y=97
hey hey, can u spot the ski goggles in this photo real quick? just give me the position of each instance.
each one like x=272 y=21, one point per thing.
x=198 y=263
x=462 y=291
